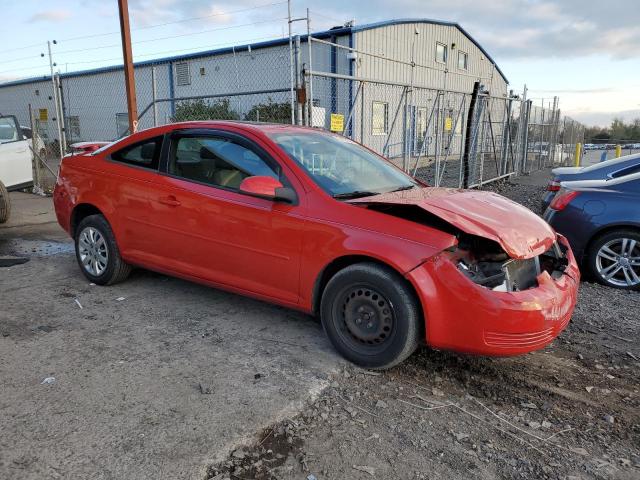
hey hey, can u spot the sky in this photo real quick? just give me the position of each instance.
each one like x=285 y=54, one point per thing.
x=587 y=52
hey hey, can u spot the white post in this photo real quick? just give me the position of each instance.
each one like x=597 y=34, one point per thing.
x=61 y=109
x=310 y=69
x=55 y=101
x=292 y=101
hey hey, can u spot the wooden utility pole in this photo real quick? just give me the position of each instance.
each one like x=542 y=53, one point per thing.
x=129 y=79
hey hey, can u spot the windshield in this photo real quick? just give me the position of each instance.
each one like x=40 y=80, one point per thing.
x=341 y=167
x=8 y=130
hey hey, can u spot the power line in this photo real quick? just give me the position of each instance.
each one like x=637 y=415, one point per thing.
x=333 y=19
x=200 y=48
x=171 y=36
x=175 y=22
x=245 y=41
x=41 y=44
x=22 y=69
x=30 y=57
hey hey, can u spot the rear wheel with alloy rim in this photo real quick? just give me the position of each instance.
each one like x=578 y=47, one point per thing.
x=614 y=259
x=92 y=251
x=97 y=252
x=371 y=315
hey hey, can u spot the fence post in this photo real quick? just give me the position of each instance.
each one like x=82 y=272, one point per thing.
x=405 y=131
x=311 y=70
x=506 y=134
x=525 y=136
x=437 y=104
x=468 y=134
x=554 y=132
x=34 y=150
x=291 y=65
x=298 y=71
x=154 y=95
x=362 y=112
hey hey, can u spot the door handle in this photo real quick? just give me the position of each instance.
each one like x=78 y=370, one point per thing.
x=170 y=200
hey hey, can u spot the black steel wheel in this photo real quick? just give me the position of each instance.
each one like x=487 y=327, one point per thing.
x=371 y=315
x=367 y=317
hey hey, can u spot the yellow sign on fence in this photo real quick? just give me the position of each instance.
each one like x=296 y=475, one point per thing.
x=337 y=122
x=43 y=114
x=448 y=124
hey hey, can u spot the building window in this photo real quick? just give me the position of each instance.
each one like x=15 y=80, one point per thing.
x=183 y=74
x=380 y=118
x=463 y=60
x=441 y=53
x=73 y=126
x=422 y=114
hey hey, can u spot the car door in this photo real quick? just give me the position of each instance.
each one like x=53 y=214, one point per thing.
x=127 y=184
x=15 y=156
x=211 y=230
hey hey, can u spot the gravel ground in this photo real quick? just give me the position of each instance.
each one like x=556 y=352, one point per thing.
x=528 y=195
x=570 y=411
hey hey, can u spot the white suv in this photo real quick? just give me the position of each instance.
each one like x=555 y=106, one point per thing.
x=15 y=162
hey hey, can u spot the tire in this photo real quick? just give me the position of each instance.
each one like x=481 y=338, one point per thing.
x=616 y=255
x=5 y=204
x=95 y=241
x=371 y=316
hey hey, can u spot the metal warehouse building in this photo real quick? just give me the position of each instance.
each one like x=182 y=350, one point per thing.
x=391 y=55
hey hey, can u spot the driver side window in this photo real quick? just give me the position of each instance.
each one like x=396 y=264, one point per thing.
x=217 y=161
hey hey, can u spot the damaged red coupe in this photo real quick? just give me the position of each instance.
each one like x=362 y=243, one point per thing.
x=316 y=222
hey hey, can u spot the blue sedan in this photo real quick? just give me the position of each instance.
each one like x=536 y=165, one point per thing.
x=614 y=168
x=601 y=220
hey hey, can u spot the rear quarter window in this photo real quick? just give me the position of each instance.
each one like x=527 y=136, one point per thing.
x=626 y=171
x=145 y=154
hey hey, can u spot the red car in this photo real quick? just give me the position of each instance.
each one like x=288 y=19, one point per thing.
x=313 y=221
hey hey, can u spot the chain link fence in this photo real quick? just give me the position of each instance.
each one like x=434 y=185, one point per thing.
x=448 y=128
x=465 y=134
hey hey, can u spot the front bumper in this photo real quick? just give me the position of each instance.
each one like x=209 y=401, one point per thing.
x=463 y=316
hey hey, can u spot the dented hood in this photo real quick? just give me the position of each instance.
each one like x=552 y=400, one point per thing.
x=520 y=232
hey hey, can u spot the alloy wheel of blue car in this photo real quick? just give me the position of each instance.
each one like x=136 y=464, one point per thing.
x=616 y=259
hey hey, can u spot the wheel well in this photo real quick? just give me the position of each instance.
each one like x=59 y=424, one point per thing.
x=80 y=212
x=342 y=262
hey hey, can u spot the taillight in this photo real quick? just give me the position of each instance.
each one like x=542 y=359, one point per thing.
x=554 y=185
x=563 y=198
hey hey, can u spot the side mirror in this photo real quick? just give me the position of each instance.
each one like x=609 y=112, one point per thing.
x=267 y=187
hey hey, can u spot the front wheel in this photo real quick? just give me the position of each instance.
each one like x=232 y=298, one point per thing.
x=371 y=316
x=97 y=252
x=614 y=259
